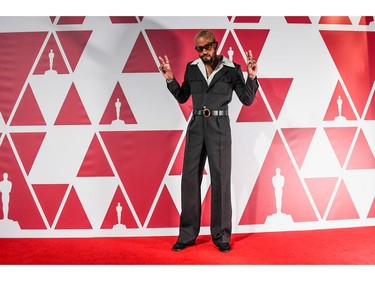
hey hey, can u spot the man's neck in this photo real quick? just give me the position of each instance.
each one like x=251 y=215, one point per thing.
x=211 y=67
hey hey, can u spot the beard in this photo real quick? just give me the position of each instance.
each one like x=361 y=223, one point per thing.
x=207 y=59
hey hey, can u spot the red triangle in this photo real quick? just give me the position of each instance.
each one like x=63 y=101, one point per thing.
x=140 y=53
x=121 y=19
x=58 y=61
x=95 y=163
x=165 y=213
x=141 y=159
x=72 y=111
x=73 y=215
x=362 y=156
x=126 y=215
x=298 y=19
x=126 y=113
x=371 y=213
x=179 y=53
x=359 y=78
x=252 y=39
x=28 y=111
x=247 y=19
x=321 y=190
x=28 y=145
x=22 y=207
x=275 y=90
x=257 y=112
x=342 y=207
x=370 y=115
x=366 y=20
x=334 y=20
x=18 y=52
x=71 y=20
x=74 y=42
x=50 y=197
x=230 y=42
x=261 y=202
x=333 y=109
x=299 y=140
x=341 y=140
x=206 y=209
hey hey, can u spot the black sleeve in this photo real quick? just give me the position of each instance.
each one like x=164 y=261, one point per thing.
x=245 y=91
x=180 y=93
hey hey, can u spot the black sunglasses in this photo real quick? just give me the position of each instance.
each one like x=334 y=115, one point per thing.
x=206 y=47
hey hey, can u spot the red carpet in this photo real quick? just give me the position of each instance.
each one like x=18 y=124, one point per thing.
x=349 y=246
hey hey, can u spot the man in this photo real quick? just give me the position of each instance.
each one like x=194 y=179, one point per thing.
x=210 y=80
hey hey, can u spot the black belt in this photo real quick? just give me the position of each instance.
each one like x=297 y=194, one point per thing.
x=207 y=112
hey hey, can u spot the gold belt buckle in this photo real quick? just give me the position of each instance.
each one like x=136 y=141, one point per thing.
x=206 y=112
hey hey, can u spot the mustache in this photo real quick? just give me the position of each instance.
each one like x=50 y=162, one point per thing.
x=207 y=61
x=206 y=55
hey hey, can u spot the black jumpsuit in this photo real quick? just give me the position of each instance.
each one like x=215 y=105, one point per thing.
x=209 y=137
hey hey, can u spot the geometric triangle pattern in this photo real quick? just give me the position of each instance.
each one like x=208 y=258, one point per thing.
x=16 y=49
x=72 y=111
x=73 y=44
x=335 y=20
x=359 y=79
x=95 y=162
x=27 y=146
x=50 y=198
x=118 y=108
x=264 y=189
x=92 y=142
x=51 y=58
x=339 y=107
x=139 y=53
x=165 y=208
x=28 y=111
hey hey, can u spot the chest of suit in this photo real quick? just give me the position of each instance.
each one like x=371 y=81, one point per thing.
x=217 y=94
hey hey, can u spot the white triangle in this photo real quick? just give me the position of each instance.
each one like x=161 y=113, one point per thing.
x=61 y=154
x=152 y=103
x=50 y=94
x=360 y=184
x=173 y=184
x=250 y=145
x=95 y=194
x=320 y=160
x=93 y=77
x=369 y=132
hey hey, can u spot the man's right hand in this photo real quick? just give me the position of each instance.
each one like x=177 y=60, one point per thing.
x=165 y=68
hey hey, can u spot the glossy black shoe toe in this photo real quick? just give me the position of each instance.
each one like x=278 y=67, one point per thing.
x=180 y=246
x=223 y=247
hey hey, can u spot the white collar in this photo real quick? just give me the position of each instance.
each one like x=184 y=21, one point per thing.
x=220 y=65
x=225 y=62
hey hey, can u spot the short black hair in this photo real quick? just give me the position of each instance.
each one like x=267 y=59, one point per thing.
x=205 y=33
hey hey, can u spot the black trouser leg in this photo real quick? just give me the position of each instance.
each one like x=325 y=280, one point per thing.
x=218 y=143
x=194 y=161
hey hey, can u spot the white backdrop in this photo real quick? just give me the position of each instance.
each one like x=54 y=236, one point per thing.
x=67 y=160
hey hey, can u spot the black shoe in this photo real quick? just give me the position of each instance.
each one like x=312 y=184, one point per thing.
x=181 y=246
x=223 y=247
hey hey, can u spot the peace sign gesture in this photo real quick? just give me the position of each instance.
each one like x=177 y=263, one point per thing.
x=251 y=65
x=165 y=68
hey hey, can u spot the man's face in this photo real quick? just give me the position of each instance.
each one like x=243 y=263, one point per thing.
x=206 y=49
